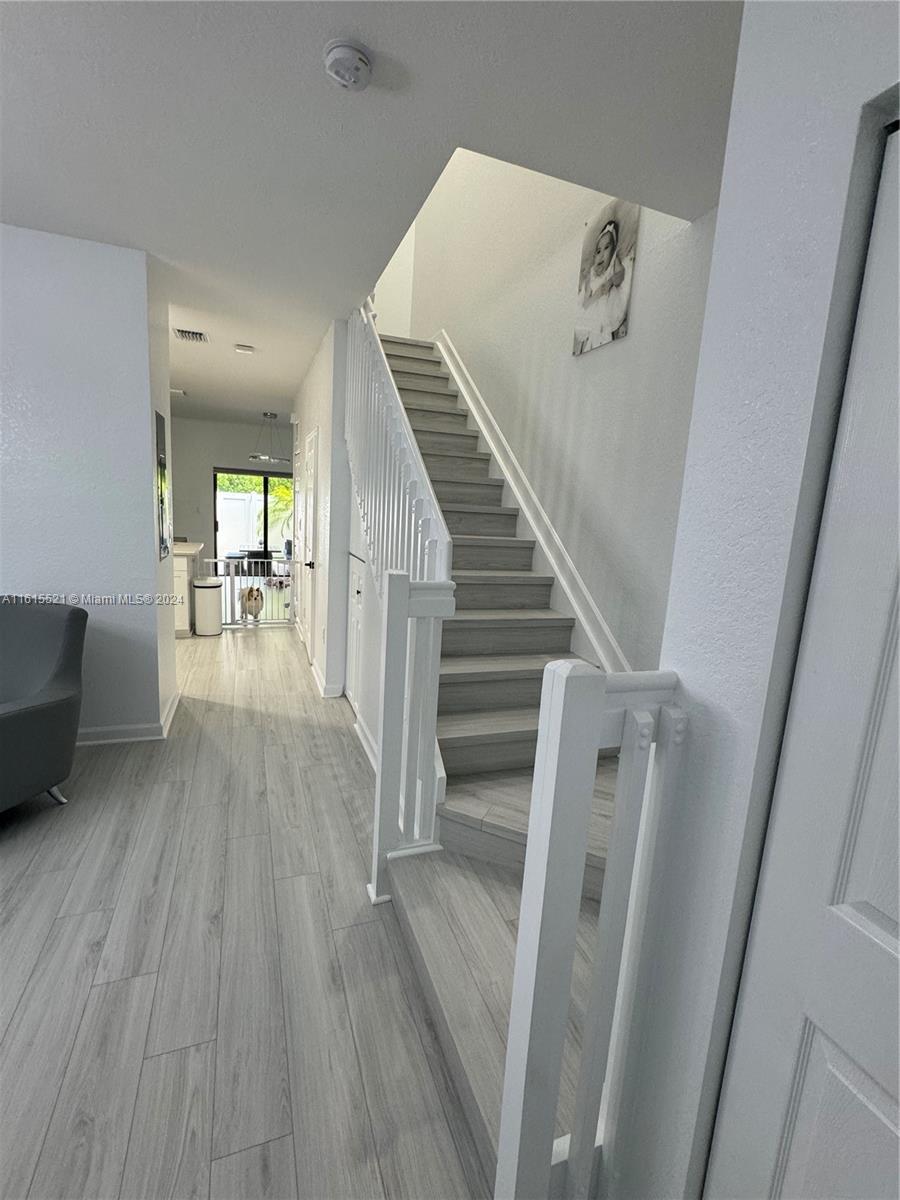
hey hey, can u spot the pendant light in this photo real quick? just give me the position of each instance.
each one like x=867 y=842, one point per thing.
x=268 y=427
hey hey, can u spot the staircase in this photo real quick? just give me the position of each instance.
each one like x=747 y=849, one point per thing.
x=459 y=905
x=504 y=632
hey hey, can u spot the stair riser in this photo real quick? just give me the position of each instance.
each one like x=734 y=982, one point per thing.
x=435 y=442
x=490 y=694
x=502 y=595
x=414 y=366
x=439 y=422
x=459 y=838
x=491 y=558
x=499 y=524
x=434 y=403
x=456 y=467
x=416 y=353
x=488 y=756
x=409 y=381
x=408 y=343
x=462 y=491
x=526 y=639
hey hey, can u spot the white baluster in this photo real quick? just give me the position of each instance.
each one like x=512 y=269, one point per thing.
x=631 y=780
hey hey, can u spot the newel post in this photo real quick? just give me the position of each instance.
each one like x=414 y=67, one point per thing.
x=572 y=697
x=386 y=834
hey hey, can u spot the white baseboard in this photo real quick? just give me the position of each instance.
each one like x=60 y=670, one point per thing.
x=600 y=636
x=97 y=735
x=368 y=742
x=169 y=714
x=328 y=691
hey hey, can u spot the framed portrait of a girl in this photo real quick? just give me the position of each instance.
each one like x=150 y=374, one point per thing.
x=605 y=274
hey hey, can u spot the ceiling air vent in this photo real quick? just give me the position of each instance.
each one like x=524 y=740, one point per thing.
x=190 y=335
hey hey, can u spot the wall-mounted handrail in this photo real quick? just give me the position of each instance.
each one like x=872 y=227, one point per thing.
x=410 y=553
x=583 y=712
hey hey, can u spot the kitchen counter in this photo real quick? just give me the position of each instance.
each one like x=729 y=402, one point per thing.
x=186 y=549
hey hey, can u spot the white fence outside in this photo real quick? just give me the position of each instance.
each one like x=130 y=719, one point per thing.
x=409 y=550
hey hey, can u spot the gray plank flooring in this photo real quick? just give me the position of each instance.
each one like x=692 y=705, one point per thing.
x=175 y=950
x=168 y=1153
x=263 y=1172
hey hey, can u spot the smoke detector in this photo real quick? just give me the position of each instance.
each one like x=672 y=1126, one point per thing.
x=348 y=64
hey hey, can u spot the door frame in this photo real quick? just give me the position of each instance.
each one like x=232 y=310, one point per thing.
x=307 y=579
x=673 y=1053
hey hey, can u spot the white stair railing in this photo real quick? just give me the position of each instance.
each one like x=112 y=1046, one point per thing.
x=410 y=553
x=584 y=712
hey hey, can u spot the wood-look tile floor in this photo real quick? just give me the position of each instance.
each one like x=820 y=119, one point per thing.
x=196 y=997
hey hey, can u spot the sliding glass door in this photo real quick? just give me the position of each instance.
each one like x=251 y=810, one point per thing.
x=253 y=515
x=253 y=550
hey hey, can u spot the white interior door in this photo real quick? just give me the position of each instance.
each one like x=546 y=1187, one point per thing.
x=307 y=565
x=297 y=538
x=809 y=1105
x=354 y=630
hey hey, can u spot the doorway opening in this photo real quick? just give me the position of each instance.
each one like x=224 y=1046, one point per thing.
x=253 y=546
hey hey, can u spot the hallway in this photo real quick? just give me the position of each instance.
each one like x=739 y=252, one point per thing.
x=198 y=999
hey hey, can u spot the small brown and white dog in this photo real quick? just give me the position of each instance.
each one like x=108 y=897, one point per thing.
x=251 y=602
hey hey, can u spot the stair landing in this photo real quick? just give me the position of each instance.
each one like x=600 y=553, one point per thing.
x=460 y=918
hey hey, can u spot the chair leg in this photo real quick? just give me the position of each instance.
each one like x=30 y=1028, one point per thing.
x=57 y=795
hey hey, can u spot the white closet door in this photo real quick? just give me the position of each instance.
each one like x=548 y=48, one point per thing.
x=809 y=1105
x=354 y=630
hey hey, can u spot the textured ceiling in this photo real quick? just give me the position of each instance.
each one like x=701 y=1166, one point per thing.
x=208 y=135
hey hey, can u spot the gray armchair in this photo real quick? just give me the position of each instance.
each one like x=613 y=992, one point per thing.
x=41 y=647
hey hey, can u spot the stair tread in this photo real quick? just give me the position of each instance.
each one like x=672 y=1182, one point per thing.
x=490 y=539
x=487 y=725
x=499 y=802
x=404 y=341
x=440 y=477
x=427 y=368
x=451 y=451
x=498 y=575
x=517 y=616
x=415 y=383
x=413 y=406
x=430 y=401
x=414 y=354
x=459 y=916
x=497 y=666
x=459 y=506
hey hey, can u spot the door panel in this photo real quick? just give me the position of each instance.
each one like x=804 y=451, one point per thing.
x=354 y=630
x=809 y=1101
x=307 y=563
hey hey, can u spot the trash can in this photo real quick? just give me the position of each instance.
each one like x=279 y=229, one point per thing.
x=207 y=605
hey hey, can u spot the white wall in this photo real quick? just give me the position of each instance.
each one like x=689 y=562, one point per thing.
x=160 y=401
x=394 y=290
x=602 y=437
x=199 y=448
x=795 y=203
x=81 y=378
x=320 y=404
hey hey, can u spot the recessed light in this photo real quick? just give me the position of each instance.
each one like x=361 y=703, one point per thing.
x=242 y=348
